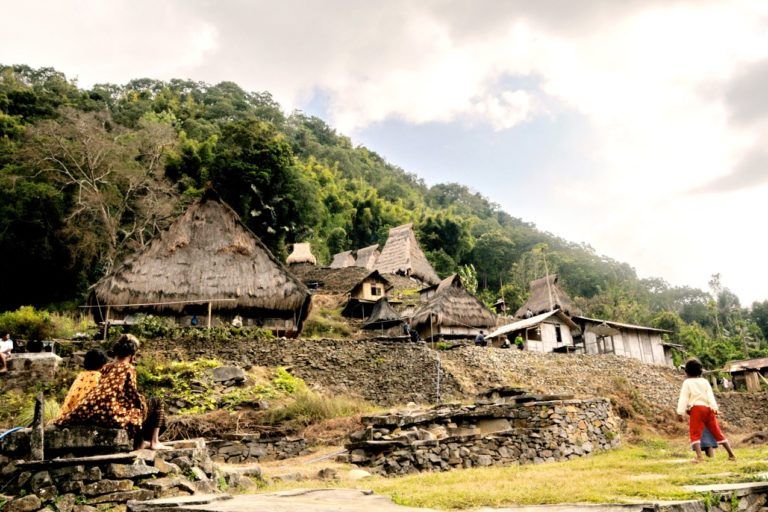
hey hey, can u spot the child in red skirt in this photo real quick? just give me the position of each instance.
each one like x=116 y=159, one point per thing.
x=697 y=398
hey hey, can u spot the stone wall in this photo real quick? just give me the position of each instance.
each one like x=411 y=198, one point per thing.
x=88 y=483
x=745 y=411
x=514 y=430
x=249 y=448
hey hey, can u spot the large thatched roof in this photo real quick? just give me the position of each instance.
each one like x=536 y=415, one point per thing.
x=453 y=305
x=402 y=255
x=331 y=280
x=302 y=253
x=343 y=260
x=206 y=254
x=539 y=301
x=383 y=316
x=367 y=257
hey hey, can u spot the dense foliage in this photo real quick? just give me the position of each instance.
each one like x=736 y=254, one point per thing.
x=86 y=176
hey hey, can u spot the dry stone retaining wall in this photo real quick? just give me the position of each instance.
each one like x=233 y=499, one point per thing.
x=248 y=448
x=517 y=431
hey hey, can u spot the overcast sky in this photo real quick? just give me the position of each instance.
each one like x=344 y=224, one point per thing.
x=638 y=127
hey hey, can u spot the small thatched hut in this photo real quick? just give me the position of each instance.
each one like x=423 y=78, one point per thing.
x=207 y=264
x=402 y=255
x=367 y=257
x=545 y=296
x=383 y=316
x=301 y=255
x=343 y=260
x=452 y=312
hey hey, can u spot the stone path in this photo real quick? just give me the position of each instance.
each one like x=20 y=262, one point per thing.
x=352 y=500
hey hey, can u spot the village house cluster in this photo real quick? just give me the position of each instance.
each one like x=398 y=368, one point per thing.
x=209 y=269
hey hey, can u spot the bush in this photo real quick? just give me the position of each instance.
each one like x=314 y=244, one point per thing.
x=156 y=327
x=321 y=327
x=27 y=323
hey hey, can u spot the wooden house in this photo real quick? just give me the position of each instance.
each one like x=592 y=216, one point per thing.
x=552 y=331
x=749 y=374
x=637 y=341
x=301 y=255
x=402 y=255
x=208 y=265
x=364 y=294
x=452 y=312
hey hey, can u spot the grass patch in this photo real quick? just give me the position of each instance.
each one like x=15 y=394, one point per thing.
x=652 y=470
x=306 y=407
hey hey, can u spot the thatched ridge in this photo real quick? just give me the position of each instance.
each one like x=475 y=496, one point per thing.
x=367 y=257
x=539 y=300
x=331 y=280
x=383 y=316
x=206 y=254
x=402 y=255
x=453 y=305
x=343 y=260
x=302 y=254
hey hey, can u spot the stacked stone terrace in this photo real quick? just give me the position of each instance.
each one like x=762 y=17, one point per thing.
x=506 y=426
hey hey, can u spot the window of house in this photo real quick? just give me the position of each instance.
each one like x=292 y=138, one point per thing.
x=534 y=334
x=375 y=291
x=558 y=334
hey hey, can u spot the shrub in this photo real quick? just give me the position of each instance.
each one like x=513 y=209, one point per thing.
x=320 y=327
x=27 y=323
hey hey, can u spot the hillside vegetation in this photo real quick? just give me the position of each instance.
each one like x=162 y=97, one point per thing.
x=87 y=176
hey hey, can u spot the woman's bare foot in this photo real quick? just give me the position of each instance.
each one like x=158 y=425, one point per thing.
x=697 y=461
x=145 y=445
x=158 y=446
x=732 y=458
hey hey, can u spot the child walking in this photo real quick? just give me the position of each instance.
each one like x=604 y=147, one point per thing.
x=698 y=400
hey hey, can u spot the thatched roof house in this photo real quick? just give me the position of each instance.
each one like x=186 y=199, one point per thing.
x=402 y=255
x=367 y=257
x=330 y=281
x=343 y=260
x=383 y=316
x=207 y=259
x=452 y=312
x=301 y=255
x=545 y=296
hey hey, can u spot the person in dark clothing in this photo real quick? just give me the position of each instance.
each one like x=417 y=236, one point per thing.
x=414 y=336
x=406 y=328
x=480 y=340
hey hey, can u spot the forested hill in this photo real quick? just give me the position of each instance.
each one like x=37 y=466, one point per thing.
x=90 y=175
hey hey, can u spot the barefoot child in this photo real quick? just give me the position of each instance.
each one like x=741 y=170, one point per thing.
x=697 y=398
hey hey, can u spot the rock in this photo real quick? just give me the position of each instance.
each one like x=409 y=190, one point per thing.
x=358 y=474
x=327 y=474
x=93 y=473
x=72 y=486
x=66 y=503
x=24 y=504
x=164 y=467
x=84 y=508
x=199 y=474
x=40 y=479
x=107 y=486
x=47 y=493
x=132 y=471
x=123 y=496
x=228 y=373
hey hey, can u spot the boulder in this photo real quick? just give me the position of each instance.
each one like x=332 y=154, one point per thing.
x=25 y=504
x=228 y=373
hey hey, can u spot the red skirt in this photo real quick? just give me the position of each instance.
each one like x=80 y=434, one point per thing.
x=702 y=416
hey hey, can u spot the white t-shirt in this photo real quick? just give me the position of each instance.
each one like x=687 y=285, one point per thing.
x=696 y=391
x=6 y=346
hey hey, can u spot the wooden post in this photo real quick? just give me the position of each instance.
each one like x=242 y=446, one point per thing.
x=210 y=310
x=753 y=382
x=37 y=437
x=106 y=326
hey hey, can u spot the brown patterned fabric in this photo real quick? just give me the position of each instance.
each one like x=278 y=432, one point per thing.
x=85 y=382
x=114 y=403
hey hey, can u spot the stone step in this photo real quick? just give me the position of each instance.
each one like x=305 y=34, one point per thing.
x=174 y=503
x=116 y=458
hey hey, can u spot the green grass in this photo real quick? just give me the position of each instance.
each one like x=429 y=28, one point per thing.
x=652 y=470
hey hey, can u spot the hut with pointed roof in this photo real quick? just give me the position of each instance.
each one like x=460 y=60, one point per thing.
x=383 y=316
x=402 y=255
x=451 y=313
x=342 y=260
x=301 y=255
x=364 y=294
x=207 y=264
x=545 y=296
x=367 y=257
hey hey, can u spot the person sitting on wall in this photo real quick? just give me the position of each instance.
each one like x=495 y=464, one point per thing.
x=194 y=321
x=406 y=328
x=506 y=343
x=86 y=381
x=415 y=336
x=237 y=321
x=117 y=403
x=480 y=340
x=519 y=342
x=6 y=347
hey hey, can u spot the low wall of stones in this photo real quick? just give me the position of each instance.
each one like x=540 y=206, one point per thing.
x=248 y=448
x=745 y=411
x=100 y=482
x=517 y=431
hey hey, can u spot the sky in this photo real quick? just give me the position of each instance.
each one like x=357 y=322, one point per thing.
x=638 y=127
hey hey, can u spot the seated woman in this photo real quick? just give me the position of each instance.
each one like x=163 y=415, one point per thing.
x=117 y=403
x=6 y=347
x=86 y=381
